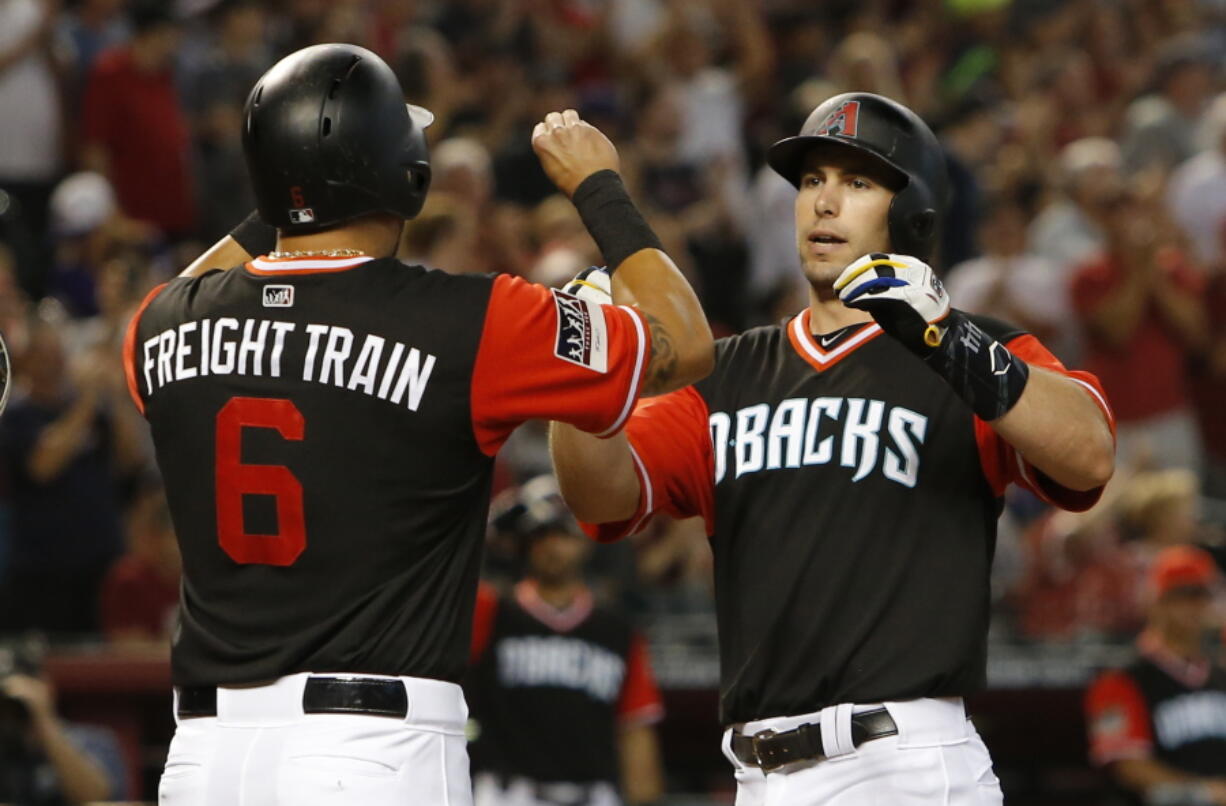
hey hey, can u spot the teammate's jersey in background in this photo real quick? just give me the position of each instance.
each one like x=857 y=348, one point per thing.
x=550 y=688
x=852 y=500
x=1160 y=707
x=326 y=428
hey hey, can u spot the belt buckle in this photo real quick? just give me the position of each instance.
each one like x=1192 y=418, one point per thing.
x=763 y=752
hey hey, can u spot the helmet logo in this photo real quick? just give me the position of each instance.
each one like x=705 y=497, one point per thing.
x=843 y=121
x=300 y=214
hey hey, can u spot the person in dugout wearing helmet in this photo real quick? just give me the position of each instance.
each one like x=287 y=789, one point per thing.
x=326 y=418
x=560 y=689
x=850 y=464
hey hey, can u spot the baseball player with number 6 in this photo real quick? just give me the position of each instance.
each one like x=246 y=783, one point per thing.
x=326 y=420
x=850 y=465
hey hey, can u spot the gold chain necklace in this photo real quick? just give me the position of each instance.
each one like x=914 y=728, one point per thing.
x=319 y=253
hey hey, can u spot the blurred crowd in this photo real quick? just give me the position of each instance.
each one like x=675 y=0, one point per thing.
x=1086 y=140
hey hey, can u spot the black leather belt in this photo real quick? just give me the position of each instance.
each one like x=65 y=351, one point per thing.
x=770 y=750
x=322 y=695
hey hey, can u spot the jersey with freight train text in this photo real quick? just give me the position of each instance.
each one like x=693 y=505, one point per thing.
x=326 y=436
x=851 y=498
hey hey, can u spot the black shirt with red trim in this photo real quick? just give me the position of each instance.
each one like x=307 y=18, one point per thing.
x=326 y=431
x=1161 y=707
x=851 y=498
x=549 y=689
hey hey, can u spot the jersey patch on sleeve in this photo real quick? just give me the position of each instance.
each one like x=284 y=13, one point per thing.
x=583 y=337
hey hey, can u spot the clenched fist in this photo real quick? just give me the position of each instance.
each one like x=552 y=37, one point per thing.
x=571 y=150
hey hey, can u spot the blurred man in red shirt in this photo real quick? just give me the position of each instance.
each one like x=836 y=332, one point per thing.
x=133 y=127
x=1139 y=303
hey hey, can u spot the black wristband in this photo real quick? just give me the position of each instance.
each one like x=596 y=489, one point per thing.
x=980 y=369
x=615 y=224
x=256 y=237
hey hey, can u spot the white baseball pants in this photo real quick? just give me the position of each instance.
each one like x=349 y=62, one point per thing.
x=937 y=759
x=261 y=750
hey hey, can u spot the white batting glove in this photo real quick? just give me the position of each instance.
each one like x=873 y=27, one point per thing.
x=902 y=293
x=592 y=284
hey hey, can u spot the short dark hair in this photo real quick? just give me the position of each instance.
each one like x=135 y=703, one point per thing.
x=149 y=14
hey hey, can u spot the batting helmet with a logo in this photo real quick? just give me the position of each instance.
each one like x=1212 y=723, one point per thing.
x=893 y=134
x=328 y=137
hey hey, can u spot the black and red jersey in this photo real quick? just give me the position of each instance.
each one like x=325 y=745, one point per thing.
x=549 y=689
x=1161 y=707
x=326 y=430
x=851 y=498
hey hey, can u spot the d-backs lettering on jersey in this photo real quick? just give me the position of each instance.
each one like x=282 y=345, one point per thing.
x=858 y=434
x=1160 y=707
x=851 y=498
x=328 y=457
x=549 y=689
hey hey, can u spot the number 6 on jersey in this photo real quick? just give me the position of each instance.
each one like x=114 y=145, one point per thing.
x=235 y=479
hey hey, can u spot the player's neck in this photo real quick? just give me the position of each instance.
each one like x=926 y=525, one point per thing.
x=559 y=594
x=827 y=313
x=377 y=236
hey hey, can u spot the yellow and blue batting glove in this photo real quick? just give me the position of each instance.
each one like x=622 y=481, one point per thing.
x=910 y=303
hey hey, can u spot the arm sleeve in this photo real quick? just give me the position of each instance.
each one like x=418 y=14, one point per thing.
x=547 y=355
x=129 y=350
x=1003 y=465
x=483 y=620
x=671 y=445
x=640 y=702
x=1117 y=719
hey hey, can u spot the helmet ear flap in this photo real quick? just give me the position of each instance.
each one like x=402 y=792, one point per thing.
x=923 y=224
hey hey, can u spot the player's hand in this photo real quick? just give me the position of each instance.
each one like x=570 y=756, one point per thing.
x=571 y=150
x=31 y=692
x=902 y=293
x=592 y=284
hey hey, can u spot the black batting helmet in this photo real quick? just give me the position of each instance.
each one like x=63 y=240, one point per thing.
x=532 y=510
x=328 y=137
x=893 y=134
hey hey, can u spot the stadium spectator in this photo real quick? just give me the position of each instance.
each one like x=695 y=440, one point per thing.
x=1139 y=304
x=234 y=54
x=140 y=595
x=1065 y=232
x=89 y=29
x=1196 y=195
x=1010 y=284
x=1159 y=725
x=44 y=759
x=134 y=130
x=1161 y=127
x=65 y=453
x=30 y=159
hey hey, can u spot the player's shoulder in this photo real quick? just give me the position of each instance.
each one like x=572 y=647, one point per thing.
x=749 y=344
x=1004 y=332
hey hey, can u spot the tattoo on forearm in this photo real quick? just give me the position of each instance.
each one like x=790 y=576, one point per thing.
x=663 y=365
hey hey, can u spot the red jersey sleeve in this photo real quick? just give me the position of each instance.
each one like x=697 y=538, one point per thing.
x=1003 y=465
x=670 y=442
x=640 y=702
x=547 y=355
x=129 y=350
x=1117 y=719
x=483 y=620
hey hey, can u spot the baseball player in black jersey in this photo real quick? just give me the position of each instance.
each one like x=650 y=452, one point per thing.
x=326 y=419
x=1159 y=724
x=849 y=464
x=560 y=688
